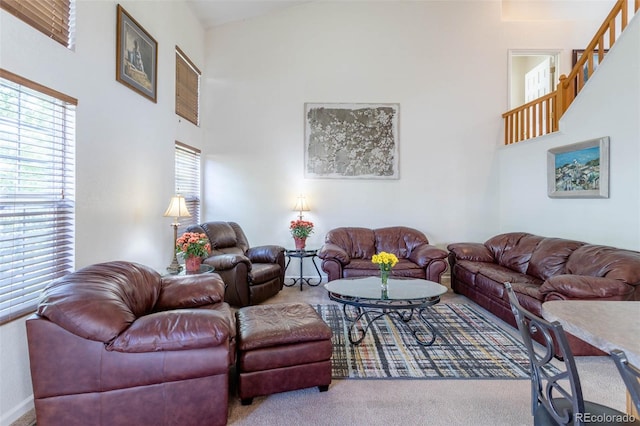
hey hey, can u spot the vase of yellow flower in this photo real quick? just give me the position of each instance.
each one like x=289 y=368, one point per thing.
x=194 y=247
x=385 y=262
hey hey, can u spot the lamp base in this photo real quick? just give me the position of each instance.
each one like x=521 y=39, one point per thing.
x=174 y=268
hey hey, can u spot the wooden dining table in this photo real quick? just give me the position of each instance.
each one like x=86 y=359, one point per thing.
x=607 y=325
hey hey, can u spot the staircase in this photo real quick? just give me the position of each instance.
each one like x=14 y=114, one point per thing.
x=541 y=116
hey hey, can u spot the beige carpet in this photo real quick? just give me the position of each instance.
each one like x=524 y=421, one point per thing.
x=411 y=402
x=416 y=402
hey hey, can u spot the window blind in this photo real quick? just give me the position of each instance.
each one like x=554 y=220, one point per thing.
x=187 y=88
x=188 y=182
x=37 y=199
x=54 y=18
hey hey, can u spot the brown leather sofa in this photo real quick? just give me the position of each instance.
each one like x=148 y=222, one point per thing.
x=252 y=274
x=347 y=253
x=117 y=344
x=542 y=269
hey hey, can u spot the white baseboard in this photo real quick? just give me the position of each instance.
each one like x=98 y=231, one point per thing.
x=6 y=419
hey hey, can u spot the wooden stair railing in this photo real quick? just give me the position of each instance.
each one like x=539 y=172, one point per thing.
x=541 y=116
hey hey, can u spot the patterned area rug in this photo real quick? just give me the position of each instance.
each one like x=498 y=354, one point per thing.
x=468 y=346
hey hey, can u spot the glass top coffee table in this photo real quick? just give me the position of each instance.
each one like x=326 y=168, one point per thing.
x=367 y=302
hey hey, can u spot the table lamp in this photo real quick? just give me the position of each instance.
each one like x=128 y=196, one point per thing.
x=301 y=206
x=177 y=209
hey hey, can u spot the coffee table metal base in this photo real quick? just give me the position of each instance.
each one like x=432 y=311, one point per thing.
x=365 y=313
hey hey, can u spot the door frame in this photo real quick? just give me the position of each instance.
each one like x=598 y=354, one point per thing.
x=554 y=53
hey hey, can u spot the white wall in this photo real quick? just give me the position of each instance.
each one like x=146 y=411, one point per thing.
x=609 y=105
x=445 y=63
x=125 y=157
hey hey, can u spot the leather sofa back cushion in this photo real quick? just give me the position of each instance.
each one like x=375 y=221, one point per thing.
x=190 y=291
x=603 y=261
x=359 y=243
x=221 y=235
x=513 y=250
x=174 y=330
x=550 y=257
x=100 y=301
x=398 y=240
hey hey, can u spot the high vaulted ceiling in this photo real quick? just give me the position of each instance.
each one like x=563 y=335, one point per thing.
x=217 y=12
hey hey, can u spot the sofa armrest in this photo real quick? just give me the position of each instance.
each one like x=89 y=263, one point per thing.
x=585 y=287
x=424 y=254
x=189 y=291
x=223 y=262
x=265 y=254
x=333 y=251
x=475 y=252
x=175 y=330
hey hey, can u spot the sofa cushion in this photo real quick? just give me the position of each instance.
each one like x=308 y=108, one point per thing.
x=263 y=272
x=491 y=279
x=221 y=235
x=550 y=257
x=174 y=330
x=359 y=243
x=190 y=291
x=398 y=240
x=99 y=301
x=513 y=250
x=603 y=261
x=586 y=287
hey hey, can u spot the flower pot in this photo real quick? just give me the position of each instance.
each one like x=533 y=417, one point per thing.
x=300 y=243
x=192 y=264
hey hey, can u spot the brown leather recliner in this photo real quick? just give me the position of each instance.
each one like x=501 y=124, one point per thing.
x=347 y=253
x=252 y=274
x=117 y=344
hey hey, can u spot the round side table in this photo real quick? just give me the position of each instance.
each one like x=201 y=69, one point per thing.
x=303 y=254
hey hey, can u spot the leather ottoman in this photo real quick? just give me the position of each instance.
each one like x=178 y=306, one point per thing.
x=281 y=347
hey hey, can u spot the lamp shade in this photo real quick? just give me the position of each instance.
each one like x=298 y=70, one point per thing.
x=301 y=204
x=177 y=207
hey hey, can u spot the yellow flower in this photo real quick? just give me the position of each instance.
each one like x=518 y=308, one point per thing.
x=385 y=260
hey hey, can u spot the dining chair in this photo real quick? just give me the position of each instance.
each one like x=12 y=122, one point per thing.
x=630 y=375
x=556 y=397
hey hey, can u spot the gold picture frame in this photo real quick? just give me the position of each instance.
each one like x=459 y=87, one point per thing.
x=136 y=56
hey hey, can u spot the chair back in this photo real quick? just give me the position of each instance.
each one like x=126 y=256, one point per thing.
x=559 y=394
x=630 y=375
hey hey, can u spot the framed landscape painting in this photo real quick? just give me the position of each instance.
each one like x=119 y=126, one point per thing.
x=136 y=56
x=351 y=141
x=579 y=170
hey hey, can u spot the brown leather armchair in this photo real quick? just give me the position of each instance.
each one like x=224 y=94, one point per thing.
x=117 y=344
x=347 y=253
x=251 y=274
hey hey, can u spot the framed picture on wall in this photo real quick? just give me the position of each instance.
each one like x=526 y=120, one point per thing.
x=580 y=170
x=136 y=56
x=351 y=141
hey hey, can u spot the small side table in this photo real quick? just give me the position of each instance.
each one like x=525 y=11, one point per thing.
x=302 y=254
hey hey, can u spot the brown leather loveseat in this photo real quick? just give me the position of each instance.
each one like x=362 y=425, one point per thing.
x=117 y=344
x=347 y=253
x=542 y=269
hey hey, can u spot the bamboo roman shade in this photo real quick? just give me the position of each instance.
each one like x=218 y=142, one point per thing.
x=188 y=182
x=187 y=88
x=37 y=191
x=54 y=18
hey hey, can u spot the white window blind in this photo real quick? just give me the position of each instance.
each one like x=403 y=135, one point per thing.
x=187 y=88
x=37 y=183
x=188 y=182
x=54 y=18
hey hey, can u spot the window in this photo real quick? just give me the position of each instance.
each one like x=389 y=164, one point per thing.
x=187 y=88
x=188 y=182
x=54 y=18
x=37 y=207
